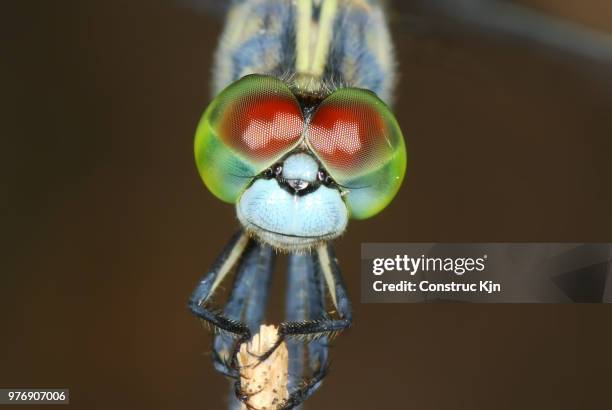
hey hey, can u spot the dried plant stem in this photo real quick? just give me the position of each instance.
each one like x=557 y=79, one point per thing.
x=264 y=383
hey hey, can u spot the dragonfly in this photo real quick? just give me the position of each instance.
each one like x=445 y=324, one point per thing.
x=300 y=138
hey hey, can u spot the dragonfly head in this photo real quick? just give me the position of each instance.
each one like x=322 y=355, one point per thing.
x=297 y=170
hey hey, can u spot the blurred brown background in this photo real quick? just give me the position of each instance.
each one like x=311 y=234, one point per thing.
x=107 y=226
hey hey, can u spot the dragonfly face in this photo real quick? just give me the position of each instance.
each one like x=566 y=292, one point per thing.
x=298 y=167
x=293 y=204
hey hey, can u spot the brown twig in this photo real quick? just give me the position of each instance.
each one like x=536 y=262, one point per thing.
x=264 y=383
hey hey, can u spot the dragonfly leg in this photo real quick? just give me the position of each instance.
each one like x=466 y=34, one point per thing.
x=309 y=323
x=314 y=328
x=299 y=396
x=244 y=310
x=247 y=303
x=305 y=300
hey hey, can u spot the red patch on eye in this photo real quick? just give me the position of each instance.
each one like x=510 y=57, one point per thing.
x=347 y=137
x=262 y=127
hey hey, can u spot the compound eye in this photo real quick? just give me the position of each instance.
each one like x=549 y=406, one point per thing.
x=360 y=143
x=349 y=137
x=262 y=123
x=247 y=128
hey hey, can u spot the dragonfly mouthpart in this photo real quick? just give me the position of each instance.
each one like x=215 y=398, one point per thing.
x=293 y=205
x=297 y=184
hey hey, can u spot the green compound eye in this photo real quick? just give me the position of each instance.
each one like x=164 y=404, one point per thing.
x=358 y=140
x=246 y=128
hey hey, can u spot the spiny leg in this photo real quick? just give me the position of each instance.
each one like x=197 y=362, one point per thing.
x=310 y=325
x=242 y=306
x=248 y=297
x=299 y=396
x=305 y=300
x=315 y=328
x=209 y=283
x=299 y=271
x=247 y=304
x=318 y=354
